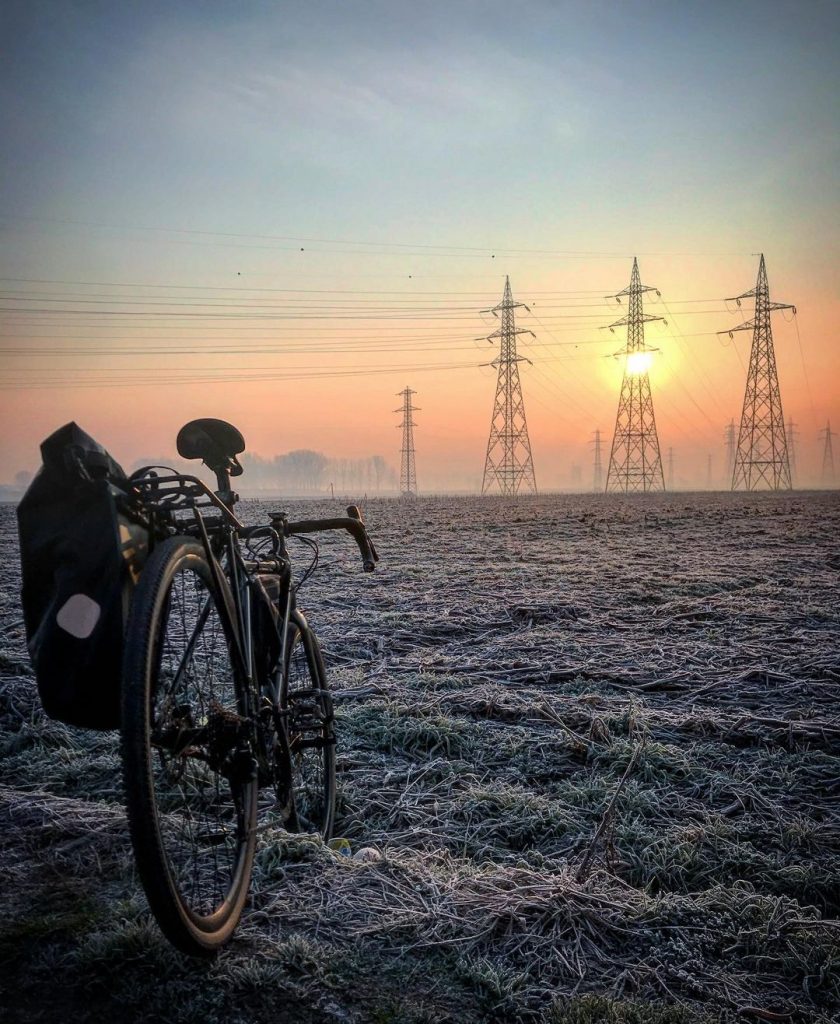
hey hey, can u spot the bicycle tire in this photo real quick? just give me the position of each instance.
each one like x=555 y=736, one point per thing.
x=307 y=709
x=190 y=784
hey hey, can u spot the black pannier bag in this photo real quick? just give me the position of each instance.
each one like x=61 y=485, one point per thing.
x=81 y=550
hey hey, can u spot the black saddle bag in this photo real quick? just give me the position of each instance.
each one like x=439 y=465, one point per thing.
x=82 y=546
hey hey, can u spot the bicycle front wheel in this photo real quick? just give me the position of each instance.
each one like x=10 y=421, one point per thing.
x=308 y=764
x=190 y=777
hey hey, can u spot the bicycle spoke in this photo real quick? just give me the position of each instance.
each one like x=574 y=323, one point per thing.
x=309 y=736
x=199 y=806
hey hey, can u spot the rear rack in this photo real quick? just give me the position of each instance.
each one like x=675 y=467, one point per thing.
x=167 y=495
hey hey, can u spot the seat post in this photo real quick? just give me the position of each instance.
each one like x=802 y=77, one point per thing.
x=223 y=491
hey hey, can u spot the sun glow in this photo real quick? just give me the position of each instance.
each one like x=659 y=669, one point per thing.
x=639 y=362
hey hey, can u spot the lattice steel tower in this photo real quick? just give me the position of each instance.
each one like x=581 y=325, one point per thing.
x=761 y=458
x=598 y=473
x=408 y=462
x=635 y=462
x=827 y=476
x=729 y=441
x=792 y=441
x=509 y=463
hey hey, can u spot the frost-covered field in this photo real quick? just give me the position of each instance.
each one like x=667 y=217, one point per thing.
x=594 y=743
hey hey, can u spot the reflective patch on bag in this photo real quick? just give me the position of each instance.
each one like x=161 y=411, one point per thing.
x=78 y=616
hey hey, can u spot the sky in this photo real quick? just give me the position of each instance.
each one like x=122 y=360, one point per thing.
x=282 y=215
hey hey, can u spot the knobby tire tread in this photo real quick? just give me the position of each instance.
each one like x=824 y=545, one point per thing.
x=139 y=788
x=318 y=676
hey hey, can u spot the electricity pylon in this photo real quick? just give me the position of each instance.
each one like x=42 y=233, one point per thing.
x=761 y=459
x=598 y=473
x=792 y=439
x=670 y=469
x=827 y=477
x=508 y=463
x=729 y=441
x=635 y=462
x=408 y=467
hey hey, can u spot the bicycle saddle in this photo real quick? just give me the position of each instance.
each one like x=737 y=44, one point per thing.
x=215 y=442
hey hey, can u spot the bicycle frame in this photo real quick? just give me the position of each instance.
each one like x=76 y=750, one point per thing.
x=234 y=575
x=224 y=691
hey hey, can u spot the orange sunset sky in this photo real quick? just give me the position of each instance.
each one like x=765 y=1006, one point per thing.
x=283 y=218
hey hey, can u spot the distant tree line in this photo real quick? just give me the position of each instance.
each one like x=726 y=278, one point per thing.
x=304 y=471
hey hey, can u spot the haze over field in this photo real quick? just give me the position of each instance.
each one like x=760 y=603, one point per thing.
x=284 y=216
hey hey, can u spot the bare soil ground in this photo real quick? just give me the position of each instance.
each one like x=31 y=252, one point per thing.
x=592 y=741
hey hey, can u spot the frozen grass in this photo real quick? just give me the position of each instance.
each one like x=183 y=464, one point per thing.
x=593 y=744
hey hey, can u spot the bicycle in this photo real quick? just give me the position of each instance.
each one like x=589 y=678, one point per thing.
x=224 y=692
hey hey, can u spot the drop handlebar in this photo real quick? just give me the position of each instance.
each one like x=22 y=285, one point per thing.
x=352 y=523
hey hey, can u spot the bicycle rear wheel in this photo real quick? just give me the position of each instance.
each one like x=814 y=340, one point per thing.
x=190 y=777
x=309 y=760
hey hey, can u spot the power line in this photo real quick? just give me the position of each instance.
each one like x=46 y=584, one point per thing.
x=280 y=346
x=193 y=378
x=438 y=313
x=432 y=249
x=678 y=336
x=305 y=291
x=555 y=341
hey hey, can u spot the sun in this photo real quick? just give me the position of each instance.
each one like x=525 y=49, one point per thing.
x=639 y=362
